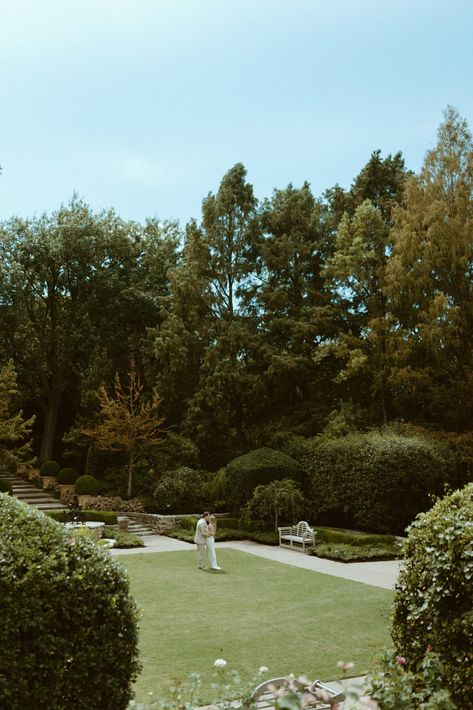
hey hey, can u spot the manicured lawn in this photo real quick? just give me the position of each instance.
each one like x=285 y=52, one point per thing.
x=252 y=613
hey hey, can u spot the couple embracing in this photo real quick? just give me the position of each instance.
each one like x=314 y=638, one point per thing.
x=204 y=538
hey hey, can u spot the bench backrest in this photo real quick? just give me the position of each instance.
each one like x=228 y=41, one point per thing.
x=302 y=528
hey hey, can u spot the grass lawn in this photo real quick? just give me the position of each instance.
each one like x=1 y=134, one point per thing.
x=253 y=612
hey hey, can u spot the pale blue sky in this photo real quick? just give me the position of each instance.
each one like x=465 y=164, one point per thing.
x=143 y=105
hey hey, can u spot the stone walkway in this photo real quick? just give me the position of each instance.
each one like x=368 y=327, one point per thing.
x=377 y=574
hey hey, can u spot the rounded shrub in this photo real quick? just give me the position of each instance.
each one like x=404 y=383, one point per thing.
x=86 y=485
x=67 y=476
x=434 y=593
x=49 y=468
x=6 y=486
x=376 y=481
x=179 y=491
x=256 y=468
x=68 y=624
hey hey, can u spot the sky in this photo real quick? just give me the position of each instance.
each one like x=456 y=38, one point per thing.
x=144 y=105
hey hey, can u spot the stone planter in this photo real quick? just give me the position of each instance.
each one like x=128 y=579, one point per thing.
x=84 y=500
x=123 y=524
x=49 y=482
x=66 y=491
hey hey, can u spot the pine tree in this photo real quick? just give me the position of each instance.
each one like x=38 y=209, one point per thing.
x=15 y=445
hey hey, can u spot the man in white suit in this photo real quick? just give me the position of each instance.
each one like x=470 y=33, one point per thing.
x=200 y=539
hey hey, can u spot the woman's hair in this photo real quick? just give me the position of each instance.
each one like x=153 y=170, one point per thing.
x=213 y=521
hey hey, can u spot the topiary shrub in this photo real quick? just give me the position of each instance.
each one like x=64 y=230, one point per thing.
x=179 y=491
x=375 y=481
x=68 y=624
x=67 y=476
x=256 y=468
x=434 y=593
x=6 y=486
x=49 y=468
x=86 y=486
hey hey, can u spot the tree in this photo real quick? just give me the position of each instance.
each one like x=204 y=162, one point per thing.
x=15 y=444
x=430 y=285
x=126 y=423
x=276 y=500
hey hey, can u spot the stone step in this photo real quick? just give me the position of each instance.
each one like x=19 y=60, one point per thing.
x=30 y=494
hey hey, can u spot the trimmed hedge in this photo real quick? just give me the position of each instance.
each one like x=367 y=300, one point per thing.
x=100 y=516
x=49 y=468
x=256 y=468
x=434 y=594
x=68 y=624
x=6 y=486
x=86 y=485
x=376 y=481
x=67 y=476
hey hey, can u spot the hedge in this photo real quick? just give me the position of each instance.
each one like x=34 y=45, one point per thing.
x=68 y=624
x=256 y=468
x=100 y=516
x=434 y=594
x=376 y=482
x=6 y=486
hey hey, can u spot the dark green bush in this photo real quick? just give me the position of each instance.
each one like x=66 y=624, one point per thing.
x=375 y=481
x=6 y=486
x=353 y=537
x=68 y=625
x=102 y=516
x=67 y=475
x=188 y=523
x=434 y=593
x=123 y=539
x=49 y=468
x=180 y=491
x=256 y=468
x=355 y=553
x=86 y=485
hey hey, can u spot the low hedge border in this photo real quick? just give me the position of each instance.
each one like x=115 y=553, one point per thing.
x=99 y=516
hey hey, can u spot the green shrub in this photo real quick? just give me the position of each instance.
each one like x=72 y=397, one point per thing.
x=256 y=468
x=68 y=624
x=344 y=552
x=86 y=485
x=101 y=516
x=67 y=475
x=353 y=537
x=434 y=593
x=6 y=486
x=188 y=523
x=375 y=481
x=122 y=538
x=49 y=468
x=180 y=491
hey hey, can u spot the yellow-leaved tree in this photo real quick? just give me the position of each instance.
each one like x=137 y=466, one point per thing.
x=126 y=422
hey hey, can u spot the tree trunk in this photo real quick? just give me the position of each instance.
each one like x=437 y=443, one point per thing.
x=49 y=432
x=130 y=474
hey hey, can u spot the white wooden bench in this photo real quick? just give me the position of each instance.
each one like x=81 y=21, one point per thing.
x=300 y=536
x=317 y=695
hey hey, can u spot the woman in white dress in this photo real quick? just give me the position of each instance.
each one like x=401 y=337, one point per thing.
x=212 y=529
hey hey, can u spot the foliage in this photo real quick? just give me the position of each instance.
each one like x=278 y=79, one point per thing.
x=67 y=475
x=15 y=444
x=377 y=481
x=68 y=624
x=102 y=516
x=180 y=491
x=86 y=485
x=393 y=685
x=355 y=553
x=434 y=593
x=6 y=486
x=49 y=468
x=122 y=538
x=276 y=500
x=354 y=537
x=258 y=467
x=127 y=423
x=116 y=503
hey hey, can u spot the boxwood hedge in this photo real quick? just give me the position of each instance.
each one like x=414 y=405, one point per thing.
x=375 y=481
x=434 y=594
x=68 y=626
